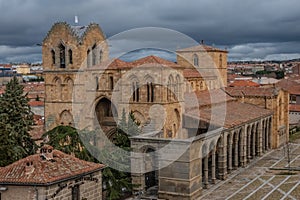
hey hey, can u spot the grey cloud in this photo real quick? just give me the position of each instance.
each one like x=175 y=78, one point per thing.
x=231 y=23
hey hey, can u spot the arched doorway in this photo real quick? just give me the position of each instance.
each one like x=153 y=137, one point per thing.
x=151 y=176
x=105 y=112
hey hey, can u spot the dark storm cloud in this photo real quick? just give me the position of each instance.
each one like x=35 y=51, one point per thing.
x=237 y=25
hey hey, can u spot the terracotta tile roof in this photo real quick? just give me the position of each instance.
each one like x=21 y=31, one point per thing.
x=36 y=103
x=294 y=107
x=44 y=170
x=252 y=91
x=205 y=98
x=193 y=73
x=153 y=60
x=120 y=64
x=292 y=86
x=229 y=114
x=200 y=48
x=244 y=83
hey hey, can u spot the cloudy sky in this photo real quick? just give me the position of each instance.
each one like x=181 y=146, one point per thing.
x=256 y=29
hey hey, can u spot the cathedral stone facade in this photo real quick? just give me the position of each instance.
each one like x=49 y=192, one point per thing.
x=194 y=131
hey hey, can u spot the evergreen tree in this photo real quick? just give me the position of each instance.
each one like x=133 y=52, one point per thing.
x=68 y=140
x=16 y=120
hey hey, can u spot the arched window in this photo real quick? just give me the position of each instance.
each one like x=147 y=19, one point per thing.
x=150 y=92
x=88 y=60
x=111 y=82
x=97 y=82
x=70 y=56
x=94 y=55
x=135 y=92
x=170 y=88
x=196 y=60
x=66 y=118
x=177 y=86
x=100 y=56
x=53 y=56
x=62 y=56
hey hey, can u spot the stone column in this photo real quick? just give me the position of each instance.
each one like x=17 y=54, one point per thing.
x=242 y=148
x=260 y=132
x=267 y=134
x=263 y=138
x=222 y=161
x=249 y=145
x=205 y=172
x=229 y=167
x=253 y=144
x=236 y=154
x=213 y=166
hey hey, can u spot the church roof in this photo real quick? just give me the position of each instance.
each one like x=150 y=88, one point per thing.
x=38 y=170
x=252 y=91
x=203 y=48
x=120 y=64
x=229 y=114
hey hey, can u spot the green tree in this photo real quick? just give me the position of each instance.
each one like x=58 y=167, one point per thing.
x=69 y=140
x=16 y=120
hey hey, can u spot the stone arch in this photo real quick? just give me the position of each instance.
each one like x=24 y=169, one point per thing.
x=177 y=86
x=135 y=90
x=62 y=55
x=170 y=87
x=150 y=93
x=53 y=57
x=57 y=92
x=68 y=89
x=105 y=112
x=177 y=123
x=66 y=118
x=151 y=166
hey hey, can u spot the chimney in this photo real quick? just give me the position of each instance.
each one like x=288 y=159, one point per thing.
x=29 y=168
x=47 y=152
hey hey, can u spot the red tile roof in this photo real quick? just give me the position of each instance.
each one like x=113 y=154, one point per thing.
x=243 y=83
x=294 y=108
x=120 y=64
x=252 y=91
x=206 y=98
x=36 y=103
x=292 y=86
x=229 y=114
x=46 y=172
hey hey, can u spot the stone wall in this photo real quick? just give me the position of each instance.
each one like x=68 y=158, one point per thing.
x=89 y=190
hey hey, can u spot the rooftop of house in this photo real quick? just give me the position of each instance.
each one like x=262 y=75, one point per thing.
x=292 y=86
x=45 y=168
x=252 y=91
x=243 y=83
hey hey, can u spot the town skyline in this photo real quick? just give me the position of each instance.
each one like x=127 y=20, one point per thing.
x=248 y=30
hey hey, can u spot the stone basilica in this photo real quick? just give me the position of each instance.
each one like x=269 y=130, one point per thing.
x=194 y=130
